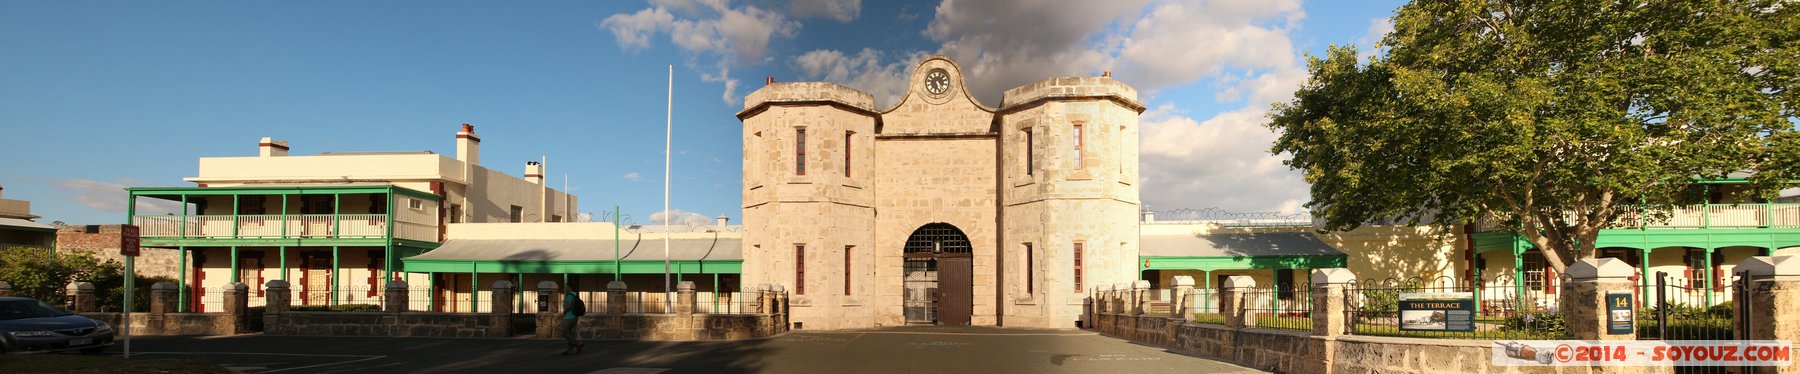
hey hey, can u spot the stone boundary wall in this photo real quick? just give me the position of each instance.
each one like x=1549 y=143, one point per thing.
x=409 y=324
x=1298 y=352
x=1124 y=311
x=173 y=324
x=767 y=316
x=666 y=327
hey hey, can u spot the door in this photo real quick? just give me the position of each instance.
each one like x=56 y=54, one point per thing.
x=955 y=290
x=317 y=290
x=938 y=283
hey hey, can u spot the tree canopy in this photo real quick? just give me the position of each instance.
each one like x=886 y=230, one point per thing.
x=1552 y=117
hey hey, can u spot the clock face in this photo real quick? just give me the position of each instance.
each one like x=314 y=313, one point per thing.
x=937 y=81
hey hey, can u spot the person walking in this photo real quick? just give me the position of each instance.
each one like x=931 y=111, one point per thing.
x=573 y=309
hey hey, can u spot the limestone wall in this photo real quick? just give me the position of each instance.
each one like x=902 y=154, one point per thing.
x=172 y=324
x=666 y=327
x=389 y=324
x=1295 y=352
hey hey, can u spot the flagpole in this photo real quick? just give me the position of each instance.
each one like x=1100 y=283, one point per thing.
x=668 y=141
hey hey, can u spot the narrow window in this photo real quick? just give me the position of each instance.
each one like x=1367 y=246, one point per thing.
x=847 y=148
x=799 y=269
x=517 y=214
x=1078 y=267
x=1076 y=161
x=1119 y=143
x=1030 y=152
x=799 y=151
x=1030 y=278
x=847 y=249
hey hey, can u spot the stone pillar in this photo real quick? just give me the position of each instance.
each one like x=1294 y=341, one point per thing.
x=1233 y=297
x=553 y=304
x=684 y=298
x=5 y=288
x=551 y=313
x=1184 y=286
x=759 y=299
x=1774 y=302
x=1584 y=297
x=162 y=298
x=615 y=297
x=778 y=298
x=394 y=299
x=1328 y=296
x=503 y=297
x=80 y=297
x=279 y=297
x=1140 y=297
x=237 y=299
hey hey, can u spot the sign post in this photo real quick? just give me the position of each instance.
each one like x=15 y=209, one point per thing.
x=1437 y=311
x=128 y=246
x=1619 y=318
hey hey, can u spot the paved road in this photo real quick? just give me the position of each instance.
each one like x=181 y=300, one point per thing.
x=892 y=350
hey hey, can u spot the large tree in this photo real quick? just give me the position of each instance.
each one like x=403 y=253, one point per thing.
x=1552 y=117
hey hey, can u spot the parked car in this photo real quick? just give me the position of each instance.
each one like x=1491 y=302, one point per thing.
x=31 y=326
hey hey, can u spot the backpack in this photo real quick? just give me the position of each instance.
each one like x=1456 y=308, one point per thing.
x=579 y=309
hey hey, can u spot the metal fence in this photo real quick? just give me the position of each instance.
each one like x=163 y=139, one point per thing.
x=1684 y=309
x=726 y=302
x=1506 y=310
x=1286 y=308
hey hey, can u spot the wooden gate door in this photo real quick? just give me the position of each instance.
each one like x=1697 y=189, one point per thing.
x=317 y=290
x=956 y=299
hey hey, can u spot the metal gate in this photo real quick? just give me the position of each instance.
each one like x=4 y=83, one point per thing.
x=921 y=291
x=938 y=284
x=1695 y=309
x=1691 y=309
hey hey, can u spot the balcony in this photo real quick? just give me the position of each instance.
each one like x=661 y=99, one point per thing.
x=1708 y=216
x=293 y=226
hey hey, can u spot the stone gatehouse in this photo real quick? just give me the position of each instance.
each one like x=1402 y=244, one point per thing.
x=941 y=209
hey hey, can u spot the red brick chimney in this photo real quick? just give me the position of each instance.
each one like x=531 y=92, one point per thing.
x=468 y=146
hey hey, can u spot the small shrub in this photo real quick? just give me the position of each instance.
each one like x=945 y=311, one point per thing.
x=1545 y=323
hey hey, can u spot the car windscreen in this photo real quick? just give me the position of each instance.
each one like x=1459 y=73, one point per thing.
x=18 y=309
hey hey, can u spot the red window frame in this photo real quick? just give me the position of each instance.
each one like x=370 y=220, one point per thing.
x=847 y=249
x=1078 y=260
x=847 y=137
x=800 y=151
x=1030 y=279
x=1078 y=146
x=799 y=269
x=1030 y=152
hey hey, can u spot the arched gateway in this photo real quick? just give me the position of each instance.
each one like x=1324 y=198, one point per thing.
x=939 y=274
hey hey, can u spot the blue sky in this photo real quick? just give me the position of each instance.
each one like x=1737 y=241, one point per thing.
x=96 y=96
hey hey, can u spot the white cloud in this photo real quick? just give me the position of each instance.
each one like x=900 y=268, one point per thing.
x=1245 y=45
x=836 y=10
x=111 y=197
x=864 y=71
x=679 y=217
x=633 y=176
x=1220 y=162
x=1005 y=44
x=714 y=34
x=1366 y=47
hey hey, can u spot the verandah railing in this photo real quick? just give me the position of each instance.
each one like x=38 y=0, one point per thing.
x=1747 y=215
x=279 y=226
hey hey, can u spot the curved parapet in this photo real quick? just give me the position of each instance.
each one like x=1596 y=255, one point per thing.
x=808 y=93
x=1070 y=88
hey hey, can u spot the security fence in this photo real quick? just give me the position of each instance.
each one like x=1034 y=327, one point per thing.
x=1442 y=308
x=1283 y=308
x=1682 y=309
